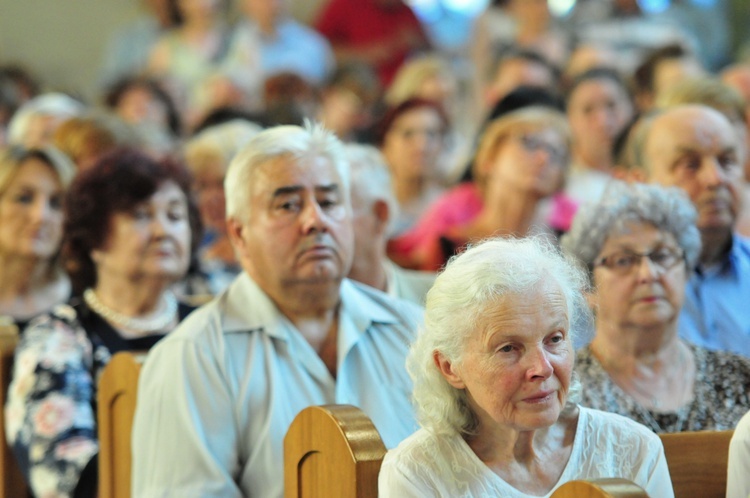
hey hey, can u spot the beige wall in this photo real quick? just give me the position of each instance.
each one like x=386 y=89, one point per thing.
x=63 y=41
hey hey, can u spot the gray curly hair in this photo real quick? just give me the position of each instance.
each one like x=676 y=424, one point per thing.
x=455 y=304
x=666 y=208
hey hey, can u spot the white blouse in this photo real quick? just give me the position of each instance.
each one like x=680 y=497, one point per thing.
x=605 y=445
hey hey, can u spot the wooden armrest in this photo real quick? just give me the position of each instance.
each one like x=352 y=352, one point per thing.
x=332 y=450
x=600 y=488
x=12 y=482
x=697 y=462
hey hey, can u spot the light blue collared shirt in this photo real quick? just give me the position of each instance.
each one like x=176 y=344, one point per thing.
x=217 y=395
x=716 y=313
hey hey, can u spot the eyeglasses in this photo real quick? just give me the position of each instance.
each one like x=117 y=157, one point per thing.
x=624 y=261
x=533 y=144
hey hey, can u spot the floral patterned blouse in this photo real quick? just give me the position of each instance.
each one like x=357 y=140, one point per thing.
x=50 y=414
x=721 y=395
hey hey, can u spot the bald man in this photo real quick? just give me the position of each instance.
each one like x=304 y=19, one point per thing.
x=695 y=148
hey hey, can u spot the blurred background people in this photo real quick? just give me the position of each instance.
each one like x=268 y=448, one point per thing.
x=493 y=388
x=663 y=67
x=411 y=137
x=32 y=186
x=639 y=243
x=374 y=207
x=35 y=122
x=598 y=108
x=131 y=229
x=520 y=166
x=390 y=34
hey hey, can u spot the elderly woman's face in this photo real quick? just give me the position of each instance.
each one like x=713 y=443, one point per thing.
x=413 y=144
x=533 y=162
x=516 y=368
x=31 y=215
x=152 y=241
x=633 y=290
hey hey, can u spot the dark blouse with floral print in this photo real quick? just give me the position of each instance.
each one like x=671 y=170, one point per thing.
x=721 y=394
x=50 y=414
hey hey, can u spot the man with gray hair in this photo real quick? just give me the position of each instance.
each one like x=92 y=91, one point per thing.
x=217 y=396
x=374 y=208
x=694 y=147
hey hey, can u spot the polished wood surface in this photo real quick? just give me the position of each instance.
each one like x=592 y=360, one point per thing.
x=332 y=451
x=698 y=462
x=116 y=397
x=12 y=482
x=600 y=488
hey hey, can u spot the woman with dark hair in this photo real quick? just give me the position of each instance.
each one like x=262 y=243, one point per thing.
x=131 y=228
x=411 y=137
x=32 y=186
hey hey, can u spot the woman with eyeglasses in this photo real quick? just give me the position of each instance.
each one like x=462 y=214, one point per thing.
x=639 y=243
x=519 y=171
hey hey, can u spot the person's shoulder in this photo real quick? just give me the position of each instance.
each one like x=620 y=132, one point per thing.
x=622 y=429
x=422 y=446
x=382 y=304
x=721 y=363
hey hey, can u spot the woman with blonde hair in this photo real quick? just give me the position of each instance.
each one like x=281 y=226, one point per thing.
x=32 y=186
x=519 y=171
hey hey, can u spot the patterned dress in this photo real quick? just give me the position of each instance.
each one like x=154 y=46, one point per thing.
x=50 y=414
x=721 y=394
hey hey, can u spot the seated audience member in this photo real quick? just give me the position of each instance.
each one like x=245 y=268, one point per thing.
x=347 y=101
x=128 y=48
x=284 y=44
x=519 y=171
x=208 y=155
x=390 y=34
x=638 y=244
x=32 y=186
x=598 y=108
x=714 y=93
x=130 y=230
x=145 y=104
x=493 y=388
x=34 y=123
x=517 y=68
x=695 y=148
x=738 y=472
x=374 y=208
x=216 y=398
x=411 y=137
x=201 y=66
x=662 y=68
x=86 y=138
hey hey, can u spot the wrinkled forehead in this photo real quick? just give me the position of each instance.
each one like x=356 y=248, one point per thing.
x=311 y=172
x=702 y=130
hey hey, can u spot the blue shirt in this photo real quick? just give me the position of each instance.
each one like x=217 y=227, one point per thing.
x=716 y=313
x=215 y=401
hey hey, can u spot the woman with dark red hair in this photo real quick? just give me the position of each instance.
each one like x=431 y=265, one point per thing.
x=411 y=137
x=131 y=229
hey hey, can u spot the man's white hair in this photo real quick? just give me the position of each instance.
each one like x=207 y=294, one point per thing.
x=292 y=142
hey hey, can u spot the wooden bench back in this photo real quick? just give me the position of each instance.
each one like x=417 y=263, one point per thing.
x=12 y=482
x=332 y=451
x=335 y=451
x=698 y=462
x=116 y=397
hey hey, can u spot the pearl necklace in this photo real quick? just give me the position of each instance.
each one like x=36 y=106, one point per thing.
x=158 y=322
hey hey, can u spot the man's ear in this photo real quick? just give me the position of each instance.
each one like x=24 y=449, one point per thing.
x=234 y=231
x=448 y=370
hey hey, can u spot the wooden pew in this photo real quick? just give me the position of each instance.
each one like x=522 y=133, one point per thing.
x=116 y=397
x=12 y=482
x=335 y=451
x=698 y=462
x=332 y=451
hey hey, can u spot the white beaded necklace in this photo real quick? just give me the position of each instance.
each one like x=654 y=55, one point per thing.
x=137 y=324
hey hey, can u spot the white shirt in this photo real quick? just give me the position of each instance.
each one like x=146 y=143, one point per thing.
x=605 y=445
x=217 y=396
x=738 y=474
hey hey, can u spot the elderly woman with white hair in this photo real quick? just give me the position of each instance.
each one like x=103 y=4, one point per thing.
x=639 y=244
x=493 y=390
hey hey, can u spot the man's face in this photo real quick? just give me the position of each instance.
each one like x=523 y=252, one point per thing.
x=695 y=148
x=298 y=231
